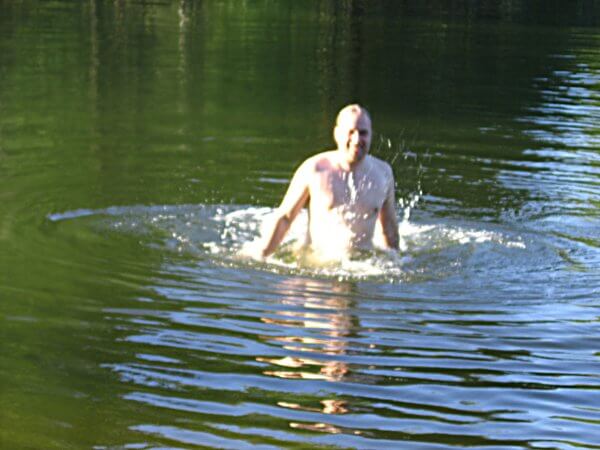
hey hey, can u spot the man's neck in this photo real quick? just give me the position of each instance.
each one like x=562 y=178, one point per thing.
x=348 y=166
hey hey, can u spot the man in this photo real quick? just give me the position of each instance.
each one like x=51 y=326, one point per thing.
x=348 y=193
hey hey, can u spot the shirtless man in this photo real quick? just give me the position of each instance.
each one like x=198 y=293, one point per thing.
x=347 y=191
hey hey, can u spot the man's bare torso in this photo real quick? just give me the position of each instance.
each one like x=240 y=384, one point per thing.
x=347 y=192
x=344 y=205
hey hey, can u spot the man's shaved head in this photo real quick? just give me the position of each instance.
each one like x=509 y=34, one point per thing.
x=354 y=110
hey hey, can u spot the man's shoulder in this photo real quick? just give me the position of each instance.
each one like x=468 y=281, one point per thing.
x=315 y=162
x=380 y=164
x=327 y=155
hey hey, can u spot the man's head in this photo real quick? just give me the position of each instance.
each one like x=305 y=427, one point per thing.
x=352 y=133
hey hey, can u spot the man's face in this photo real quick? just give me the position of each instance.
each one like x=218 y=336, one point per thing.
x=353 y=136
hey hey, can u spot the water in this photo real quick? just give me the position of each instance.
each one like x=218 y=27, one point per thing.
x=143 y=144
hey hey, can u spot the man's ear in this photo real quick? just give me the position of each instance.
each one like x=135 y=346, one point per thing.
x=336 y=132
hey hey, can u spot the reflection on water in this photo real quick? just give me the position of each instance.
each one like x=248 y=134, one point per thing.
x=314 y=331
x=253 y=358
x=570 y=112
x=237 y=355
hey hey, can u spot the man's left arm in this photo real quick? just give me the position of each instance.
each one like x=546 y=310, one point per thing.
x=387 y=216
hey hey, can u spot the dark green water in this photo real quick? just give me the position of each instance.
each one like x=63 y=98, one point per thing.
x=141 y=143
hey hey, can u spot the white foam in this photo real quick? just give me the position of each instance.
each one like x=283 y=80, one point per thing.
x=229 y=233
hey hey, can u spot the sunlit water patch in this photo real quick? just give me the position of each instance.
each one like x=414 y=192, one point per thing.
x=477 y=345
x=478 y=333
x=569 y=113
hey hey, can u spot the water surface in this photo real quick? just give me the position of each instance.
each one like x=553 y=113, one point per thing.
x=142 y=144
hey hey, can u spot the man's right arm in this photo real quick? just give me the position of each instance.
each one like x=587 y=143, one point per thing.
x=294 y=200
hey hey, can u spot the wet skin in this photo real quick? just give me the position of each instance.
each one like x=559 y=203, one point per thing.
x=347 y=192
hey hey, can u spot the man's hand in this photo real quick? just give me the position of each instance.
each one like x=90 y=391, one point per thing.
x=253 y=250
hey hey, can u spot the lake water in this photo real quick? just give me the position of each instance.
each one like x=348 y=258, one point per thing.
x=141 y=145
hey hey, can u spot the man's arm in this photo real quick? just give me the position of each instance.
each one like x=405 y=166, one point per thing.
x=294 y=200
x=387 y=216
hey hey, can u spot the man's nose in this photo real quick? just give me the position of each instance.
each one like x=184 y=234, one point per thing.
x=355 y=136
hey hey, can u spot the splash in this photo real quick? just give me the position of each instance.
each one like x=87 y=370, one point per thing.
x=224 y=234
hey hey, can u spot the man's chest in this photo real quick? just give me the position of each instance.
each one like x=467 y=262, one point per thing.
x=361 y=193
